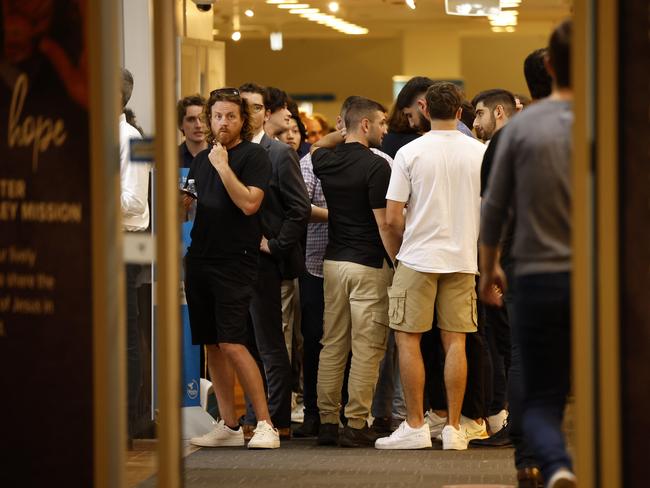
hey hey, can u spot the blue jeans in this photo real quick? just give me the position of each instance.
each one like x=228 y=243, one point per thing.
x=388 y=401
x=542 y=330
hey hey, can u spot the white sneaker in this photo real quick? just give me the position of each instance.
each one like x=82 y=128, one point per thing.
x=435 y=423
x=473 y=429
x=453 y=439
x=406 y=437
x=298 y=413
x=220 y=436
x=562 y=478
x=264 y=437
x=496 y=422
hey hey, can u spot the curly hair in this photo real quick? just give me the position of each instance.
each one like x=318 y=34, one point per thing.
x=443 y=100
x=228 y=95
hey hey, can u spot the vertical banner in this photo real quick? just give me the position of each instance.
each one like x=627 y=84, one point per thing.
x=46 y=391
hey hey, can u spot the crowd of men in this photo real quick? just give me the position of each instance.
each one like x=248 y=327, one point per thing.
x=344 y=264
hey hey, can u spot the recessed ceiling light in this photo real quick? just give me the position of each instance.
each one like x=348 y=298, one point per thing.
x=333 y=6
x=410 y=3
x=303 y=11
x=277 y=2
x=249 y=13
x=236 y=36
x=293 y=5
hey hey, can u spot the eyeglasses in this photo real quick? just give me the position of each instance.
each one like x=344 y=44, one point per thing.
x=231 y=92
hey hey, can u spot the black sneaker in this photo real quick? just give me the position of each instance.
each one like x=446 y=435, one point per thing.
x=383 y=425
x=500 y=439
x=328 y=434
x=308 y=428
x=363 y=437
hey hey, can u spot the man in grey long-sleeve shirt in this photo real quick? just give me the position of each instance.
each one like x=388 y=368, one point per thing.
x=531 y=174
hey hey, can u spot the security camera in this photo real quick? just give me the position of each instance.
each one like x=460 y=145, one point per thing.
x=204 y=5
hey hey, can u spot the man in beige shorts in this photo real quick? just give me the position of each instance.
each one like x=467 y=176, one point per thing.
x=438 y=176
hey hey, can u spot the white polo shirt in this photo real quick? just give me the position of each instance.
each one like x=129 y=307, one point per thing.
x=439 y=176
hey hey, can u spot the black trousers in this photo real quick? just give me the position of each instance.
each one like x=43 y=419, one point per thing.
x=312 y=304
x=268 y=347
x=474 y=403
x=134 y=364
x=497 y=332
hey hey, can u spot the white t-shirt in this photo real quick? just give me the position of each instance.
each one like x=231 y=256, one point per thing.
x=439 y=176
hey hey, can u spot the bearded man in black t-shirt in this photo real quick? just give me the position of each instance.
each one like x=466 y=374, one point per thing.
x=221 y=264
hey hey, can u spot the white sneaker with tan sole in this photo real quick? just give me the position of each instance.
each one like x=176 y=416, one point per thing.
x=454 y=439
x=220 y=436
x=264 y=437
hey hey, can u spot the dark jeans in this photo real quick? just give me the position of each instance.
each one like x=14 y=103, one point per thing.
x=524 y=457
x=134 y=366
x=543 y=333
x=312 y=303
x=497 y=333
x=269 y=348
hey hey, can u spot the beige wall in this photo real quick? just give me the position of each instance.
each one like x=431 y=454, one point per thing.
x=341 y=67
x=366 y=66
x=497 y=62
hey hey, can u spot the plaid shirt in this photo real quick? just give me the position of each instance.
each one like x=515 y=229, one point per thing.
x=316 y=232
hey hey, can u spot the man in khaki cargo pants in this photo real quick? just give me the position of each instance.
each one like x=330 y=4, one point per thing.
x=356 y=271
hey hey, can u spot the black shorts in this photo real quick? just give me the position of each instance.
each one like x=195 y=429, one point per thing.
x=218 y=297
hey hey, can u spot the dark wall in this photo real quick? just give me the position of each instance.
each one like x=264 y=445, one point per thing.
x=634 y=116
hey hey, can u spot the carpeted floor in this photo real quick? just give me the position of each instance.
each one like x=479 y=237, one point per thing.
x=300 y=463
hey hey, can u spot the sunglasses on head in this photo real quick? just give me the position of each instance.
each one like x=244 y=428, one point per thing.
x=231 y=92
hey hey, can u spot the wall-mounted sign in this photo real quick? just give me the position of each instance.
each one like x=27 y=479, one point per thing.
x=45 y=247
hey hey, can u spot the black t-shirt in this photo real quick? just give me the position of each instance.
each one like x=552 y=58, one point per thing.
x=221 y=230
x=355 y=181
x=185 y=156
x=393 y=141
x=507 y=237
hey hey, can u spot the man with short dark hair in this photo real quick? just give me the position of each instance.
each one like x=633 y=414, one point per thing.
x=284 y=217
x=356 y=271
x=532 y=172
x=492 y=109
x=277 y=114
x=411 y=97
x=221 y=265
x=435 y=244
x=537 y=78
x=192 y=126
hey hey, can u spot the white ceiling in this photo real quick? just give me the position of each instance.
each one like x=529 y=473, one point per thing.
x=383 y=18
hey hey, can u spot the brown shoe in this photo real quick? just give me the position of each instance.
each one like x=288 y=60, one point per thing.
x=529 y=478
x=285 y=433
x=249 y=430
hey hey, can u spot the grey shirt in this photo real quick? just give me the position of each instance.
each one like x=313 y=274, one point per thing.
x=531 y=173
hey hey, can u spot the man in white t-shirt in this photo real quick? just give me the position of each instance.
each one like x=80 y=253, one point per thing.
x=437 y=178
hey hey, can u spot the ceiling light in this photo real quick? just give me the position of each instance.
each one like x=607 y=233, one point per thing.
x=472 y=7
x=303 y=11
x=277 y=2
x=236 y=36
x=333 y=7
x=293 y=5
x=249 y=13
x=510 y=3
x=276 y=41
x=410 y=3
x=503 y=19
